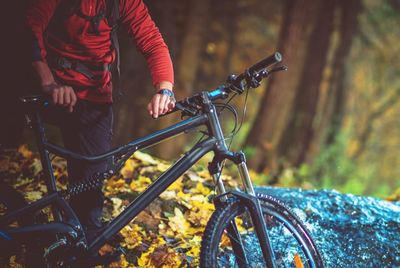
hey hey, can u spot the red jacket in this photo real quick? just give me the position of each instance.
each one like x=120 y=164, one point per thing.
x=74 y=39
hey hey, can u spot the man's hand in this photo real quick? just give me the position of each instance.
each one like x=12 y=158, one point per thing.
x=61 y=95
x=160 y=104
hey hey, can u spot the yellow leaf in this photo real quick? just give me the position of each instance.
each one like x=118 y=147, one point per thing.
x=133 y=235
x=115 y=185
x=193 y=176
x=202 y=189
x=14 y=263
x=225 y=241
x=168 y=195
x=140 y=184
x=145 y=158
x=176 y=186
x=200 y=217
x=162 y=166
x=36 y=167
x=184 y=199
x=128 y=168
x=297 y=261
x=395 y=196
x=144 y=261
x=178 y=223
x=33 y=195
x=184 y=196
x=202 y=205
x=117 y=206
x=191 y=231
x=194 y=252
x=23 y=182
x=24 y=151
x=165 y=257
x=204 y=173
x=121 y=264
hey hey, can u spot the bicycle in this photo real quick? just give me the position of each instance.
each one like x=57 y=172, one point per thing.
x=241 y=218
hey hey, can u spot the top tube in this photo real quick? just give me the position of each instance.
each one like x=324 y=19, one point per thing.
x=133 y=146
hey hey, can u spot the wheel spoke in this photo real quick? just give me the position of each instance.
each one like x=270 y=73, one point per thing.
x=291 y=243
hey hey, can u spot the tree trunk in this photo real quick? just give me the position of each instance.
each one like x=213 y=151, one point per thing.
x=299 y=132
x=332 y=105
x=367 y=130
x=277 y=100
x=348 y=29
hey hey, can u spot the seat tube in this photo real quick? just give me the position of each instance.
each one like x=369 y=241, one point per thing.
x=45 y=159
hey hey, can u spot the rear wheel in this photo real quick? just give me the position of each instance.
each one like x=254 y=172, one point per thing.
x=12 y=254
x=292 y=245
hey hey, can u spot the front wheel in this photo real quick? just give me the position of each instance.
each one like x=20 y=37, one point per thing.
x=291 y=243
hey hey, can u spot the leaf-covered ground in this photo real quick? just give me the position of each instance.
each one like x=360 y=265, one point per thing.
x=166 y=234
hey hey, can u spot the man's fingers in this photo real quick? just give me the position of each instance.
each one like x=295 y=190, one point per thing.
x=61 y=93
x=54 y=96
x=167 y=102
x=150 y=108
x=64 y=96
x=156 y=104
x=67 y=98
x=160 y=104
x=163 y=104
x=73 y=98
x=171 y=105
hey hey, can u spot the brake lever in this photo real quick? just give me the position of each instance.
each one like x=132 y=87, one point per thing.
x=186 y=111
x=278 y=69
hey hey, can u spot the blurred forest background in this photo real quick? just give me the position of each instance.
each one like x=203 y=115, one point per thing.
x=330 y=121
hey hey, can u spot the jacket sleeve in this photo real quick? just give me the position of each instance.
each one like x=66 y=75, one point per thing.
x=39 y=14
x=142 y=29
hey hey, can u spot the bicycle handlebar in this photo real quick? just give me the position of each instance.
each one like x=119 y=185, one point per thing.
x=256 y=71
x=268 y=61
x=262 y=64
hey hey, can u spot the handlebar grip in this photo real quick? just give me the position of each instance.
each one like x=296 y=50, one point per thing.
x=178 y=107
x=274 y=58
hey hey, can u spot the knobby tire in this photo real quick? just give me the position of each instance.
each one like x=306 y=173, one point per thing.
x=291 y=242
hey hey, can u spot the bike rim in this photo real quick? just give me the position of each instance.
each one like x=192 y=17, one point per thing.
x=287 y=243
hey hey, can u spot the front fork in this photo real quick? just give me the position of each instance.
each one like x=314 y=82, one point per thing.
x=249 y=200
x=215 y=168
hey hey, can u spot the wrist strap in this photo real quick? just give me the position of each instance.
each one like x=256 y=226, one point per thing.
x=167 y=92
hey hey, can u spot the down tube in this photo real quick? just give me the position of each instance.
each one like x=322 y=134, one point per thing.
x=154 y=190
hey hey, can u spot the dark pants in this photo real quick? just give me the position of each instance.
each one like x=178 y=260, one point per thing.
x=87 y=131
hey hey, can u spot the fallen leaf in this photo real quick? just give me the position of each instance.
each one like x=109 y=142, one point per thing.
x=24 y=151
x=297 y=261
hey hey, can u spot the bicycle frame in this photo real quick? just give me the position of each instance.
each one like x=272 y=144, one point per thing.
x=215 y=143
